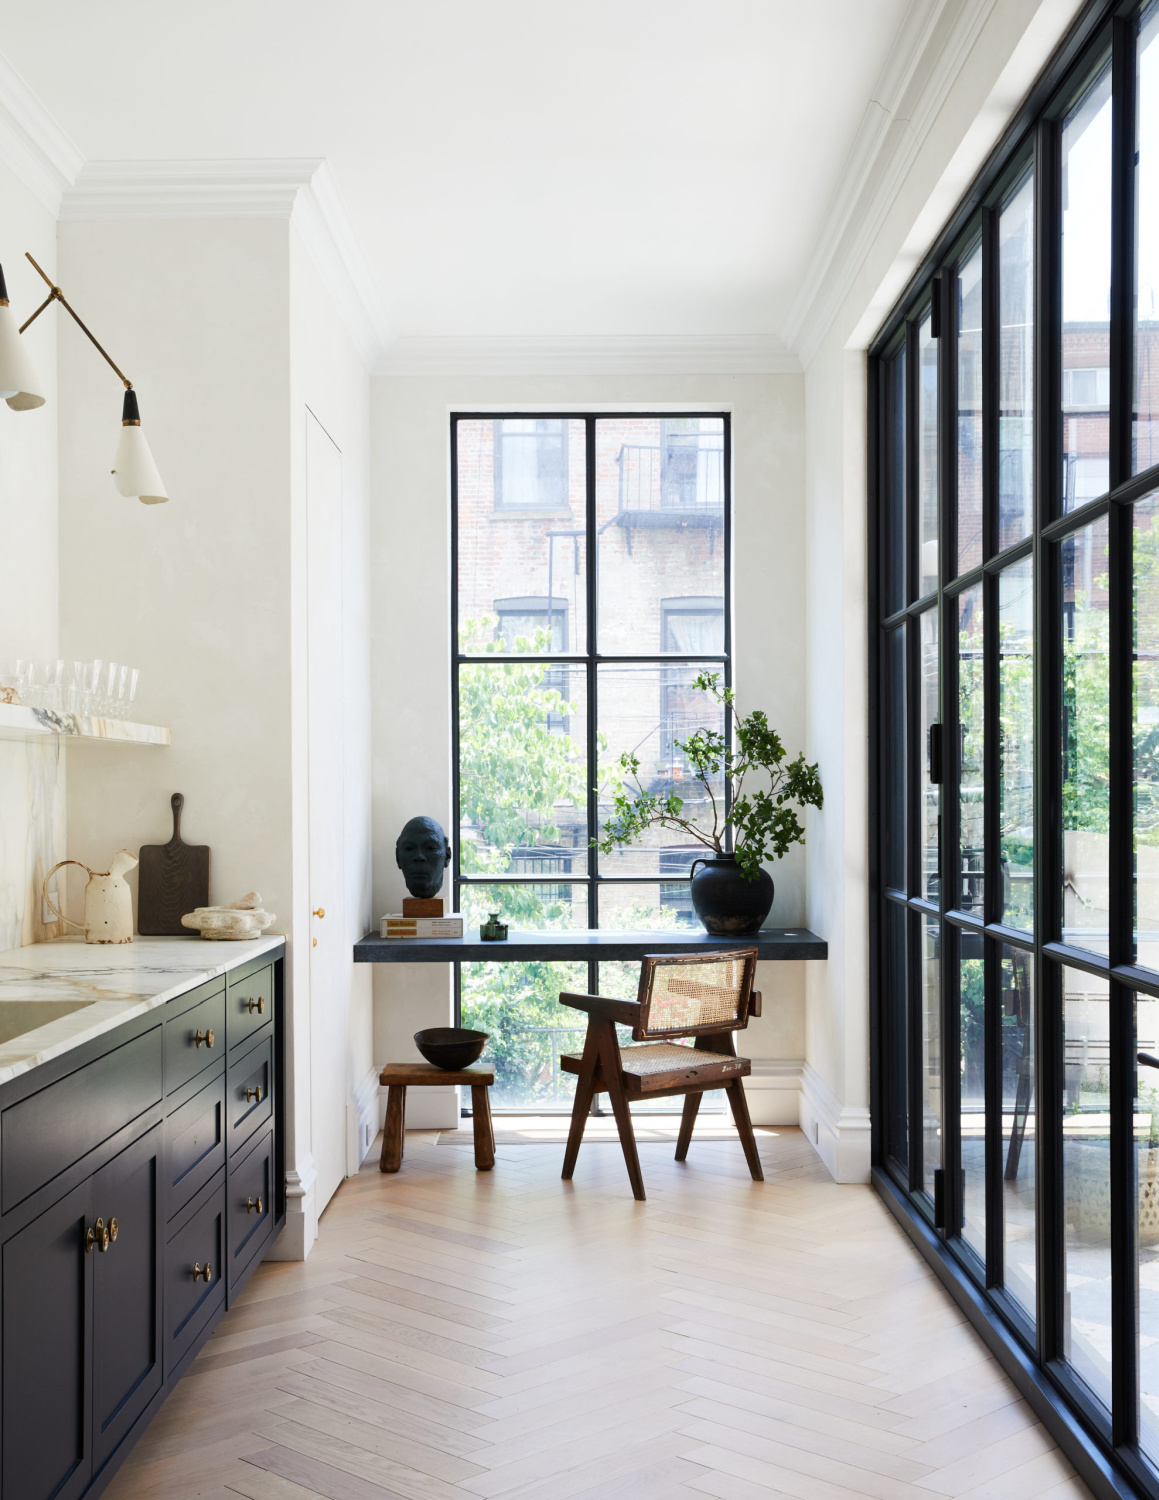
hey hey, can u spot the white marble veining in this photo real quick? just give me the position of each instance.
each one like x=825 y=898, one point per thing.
x=113 y=983
x=18 y=721
x=32 y=836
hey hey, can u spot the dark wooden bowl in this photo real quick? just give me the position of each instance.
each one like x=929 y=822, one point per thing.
x=451 y=1047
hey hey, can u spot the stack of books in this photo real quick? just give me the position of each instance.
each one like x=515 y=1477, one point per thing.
x=450 y=926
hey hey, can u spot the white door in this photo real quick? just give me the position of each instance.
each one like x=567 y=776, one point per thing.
x=329 y=963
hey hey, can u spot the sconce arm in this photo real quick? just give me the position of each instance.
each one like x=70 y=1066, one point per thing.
x=56 y=295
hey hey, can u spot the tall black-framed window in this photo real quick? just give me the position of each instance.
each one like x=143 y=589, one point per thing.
x=581 y=618
x=1014 y=780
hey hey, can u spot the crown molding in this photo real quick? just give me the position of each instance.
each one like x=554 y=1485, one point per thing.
x=37 y=150
x=931 y=46
x=587 y=355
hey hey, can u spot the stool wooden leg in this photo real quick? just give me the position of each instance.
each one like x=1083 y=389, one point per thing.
x=394 y=1130
x=484 y=1130
x=687 y=1121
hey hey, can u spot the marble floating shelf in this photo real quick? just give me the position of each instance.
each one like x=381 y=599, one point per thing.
x=18 y=723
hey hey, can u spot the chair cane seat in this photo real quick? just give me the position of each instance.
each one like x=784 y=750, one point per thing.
x=652 y=1066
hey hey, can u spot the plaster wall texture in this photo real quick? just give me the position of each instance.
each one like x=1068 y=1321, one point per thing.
x=32 y=772
x=411 y=648
x=1008 y=53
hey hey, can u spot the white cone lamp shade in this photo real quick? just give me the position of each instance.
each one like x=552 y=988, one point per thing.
x=134 y=472
x=19 y=383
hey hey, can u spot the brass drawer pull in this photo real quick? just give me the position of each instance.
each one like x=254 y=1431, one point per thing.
x=258 y=1005
x=101 y=1235
x=202 y=1272
x=254 y=1094
x=206 y=1037
x=252 y=1203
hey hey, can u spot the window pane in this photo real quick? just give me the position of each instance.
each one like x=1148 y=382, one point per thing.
x=1016 y=366
x=1085 y=736
x=1086 y=1149
x=972 y=1001
x=970 y=413
x=649 y=711
x=521 y=499
x=893 y=539
x=930 y=813
x=1018 y=1125
x=971 y=733
x=1016 y=727
x=1146 y=729
x=931 y=1050
x=897 y=1049
x=927 y=460
x=1086 y=295
x=893 y=755
x=1146 y=412
x=660 y=487
x=517 y=1005
x=526 y=908
x=1147 y=1201
x=522 y=769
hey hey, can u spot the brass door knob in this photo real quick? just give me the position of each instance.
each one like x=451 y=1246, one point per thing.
x=254 y=1094
x=252 y=1203
x=204 y=1036
x=202 y=1272
x=258 y=1005
x=321 y=912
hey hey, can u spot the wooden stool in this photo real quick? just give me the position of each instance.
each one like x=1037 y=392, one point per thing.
x=398 y=1077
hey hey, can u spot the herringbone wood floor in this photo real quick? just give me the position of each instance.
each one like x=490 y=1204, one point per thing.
x=503 y=1334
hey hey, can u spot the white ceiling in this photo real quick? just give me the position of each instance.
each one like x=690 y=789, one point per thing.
x=511 y=167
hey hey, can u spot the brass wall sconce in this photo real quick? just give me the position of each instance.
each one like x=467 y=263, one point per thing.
x=134 y=471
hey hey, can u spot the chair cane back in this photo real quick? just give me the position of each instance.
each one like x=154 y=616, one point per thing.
x=703 y=996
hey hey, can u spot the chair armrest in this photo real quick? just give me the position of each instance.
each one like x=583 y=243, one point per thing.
x=755 y=1003
x=625 y=1011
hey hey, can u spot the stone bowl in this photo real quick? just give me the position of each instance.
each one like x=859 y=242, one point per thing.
x=451 y=1047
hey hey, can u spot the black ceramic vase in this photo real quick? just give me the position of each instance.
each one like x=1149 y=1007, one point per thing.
x=727 y=903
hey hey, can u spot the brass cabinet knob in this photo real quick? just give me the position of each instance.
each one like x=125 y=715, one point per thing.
x=90 y=1239
x=114 y=1229
x=252 y=1203
x=101 y=1235
x=202 y=1272
x=254 y=1094
x=206 y=1037
x=321 y=912
x=258 y=1005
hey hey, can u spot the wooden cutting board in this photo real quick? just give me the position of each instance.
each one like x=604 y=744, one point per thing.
x=172 y=880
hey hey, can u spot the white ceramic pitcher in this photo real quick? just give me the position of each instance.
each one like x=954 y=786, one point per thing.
x=108 y=900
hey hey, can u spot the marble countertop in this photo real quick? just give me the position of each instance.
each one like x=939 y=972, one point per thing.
x=114 y=983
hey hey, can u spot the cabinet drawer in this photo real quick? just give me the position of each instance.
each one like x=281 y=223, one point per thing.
x=249 y=1100
x=198 y=1241
x=50 y=1130
x=195 y=1143
x=249 y=1209
x=185 y=1055
x=249 y=1006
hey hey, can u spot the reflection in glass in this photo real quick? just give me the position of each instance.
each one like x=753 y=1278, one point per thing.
x=971 y=973
x=660 y=487
x=896 y=1045
x=522 y=769
x=521 y=499
x=1016 y=750
x=894 y=538
x=1086 y=1150
x=1085 y=736
x=927 y=460
x=893 y=810
x=970 y=412
x=1146 y=729
x=1086 y=295
x=1147 y=1206
x=1018 y=1125
x=1016 y=365
x=1146 y=405
x=971 y=732
x=649 y=711
x=930 y=813
x=931 y=1099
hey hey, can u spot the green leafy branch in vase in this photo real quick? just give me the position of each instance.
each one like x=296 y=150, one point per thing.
x=764 y=822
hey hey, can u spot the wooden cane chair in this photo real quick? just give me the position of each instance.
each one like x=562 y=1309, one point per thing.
x=705 y=996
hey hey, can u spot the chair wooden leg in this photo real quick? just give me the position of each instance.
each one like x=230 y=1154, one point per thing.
x=687 y=1121
x=394 y=1130
x=744 y=1128
x=585 y=1092
x=615 y=1087
x=484 y=1131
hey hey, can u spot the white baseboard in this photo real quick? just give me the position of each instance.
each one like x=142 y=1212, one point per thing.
x=773 y=1090
x=361 y=1122
x=426 y=1108
x=301 y=1228
x=838 y=1133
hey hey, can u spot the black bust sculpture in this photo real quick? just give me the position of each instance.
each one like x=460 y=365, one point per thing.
x=423 y=852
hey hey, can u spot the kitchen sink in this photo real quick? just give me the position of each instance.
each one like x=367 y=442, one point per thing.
x=17 y=1017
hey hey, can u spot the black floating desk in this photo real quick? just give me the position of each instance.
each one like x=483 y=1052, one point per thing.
x=775 y=943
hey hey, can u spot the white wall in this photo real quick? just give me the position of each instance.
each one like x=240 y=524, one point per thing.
x=410 y=615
